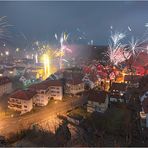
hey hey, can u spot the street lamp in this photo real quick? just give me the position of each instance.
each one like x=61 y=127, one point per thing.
x=7 y=53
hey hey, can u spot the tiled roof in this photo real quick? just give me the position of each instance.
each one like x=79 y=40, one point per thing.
x=45 y=84
x=97 y=96
x=4 y=80
x=75 y=81
x=52 y=83
x=71 y=75
x=38 y=86
x=23 y=94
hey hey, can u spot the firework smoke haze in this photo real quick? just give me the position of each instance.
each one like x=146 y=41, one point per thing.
x=4 y=33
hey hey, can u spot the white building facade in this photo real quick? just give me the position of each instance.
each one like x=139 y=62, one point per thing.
x=22 y=101
x=74 y=86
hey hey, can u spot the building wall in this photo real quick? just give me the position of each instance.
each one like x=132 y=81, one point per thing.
x=5 y=88
x=74 y=89
x=41 y=99
x=96 y=106
x=22 y=106
x=27 y=105
x=56 y=92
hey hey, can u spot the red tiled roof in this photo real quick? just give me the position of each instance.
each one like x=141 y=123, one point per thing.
x=52 y=83
x=97 y=96
x=23 y=94
x=71 y=75
x=75 y=81
x=145 y=105
x=45 y=84
x=4 y=80
x=38 y=86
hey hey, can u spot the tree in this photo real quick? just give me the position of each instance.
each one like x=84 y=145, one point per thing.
x=62 y=134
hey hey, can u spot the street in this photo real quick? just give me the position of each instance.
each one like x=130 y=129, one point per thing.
x=10 y=125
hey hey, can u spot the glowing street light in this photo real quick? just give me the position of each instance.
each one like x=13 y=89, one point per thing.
x=2 y=54
x=7 y=53
x=17 y=49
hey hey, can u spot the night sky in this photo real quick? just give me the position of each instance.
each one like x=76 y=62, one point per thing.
x=41 y=20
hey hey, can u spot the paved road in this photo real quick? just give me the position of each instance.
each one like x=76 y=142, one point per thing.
x=9 y=125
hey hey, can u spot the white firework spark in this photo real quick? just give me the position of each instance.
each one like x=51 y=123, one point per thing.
x=134 y=45
x=129 y=28
x=63 y=46
x=117 y=52
x=117 y=37
x=92 y=42
x=146 y=24
x=56 y=36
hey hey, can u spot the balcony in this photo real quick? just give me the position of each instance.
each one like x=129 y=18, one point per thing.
x=14 y=102
x=16 y=108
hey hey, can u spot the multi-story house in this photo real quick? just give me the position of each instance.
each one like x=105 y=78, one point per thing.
x=97 y=101
x=118 y=92
x=55 y=89
x=22 y=101
x=42 y=96
x=5 y=85
x=90 y=80
x=46 y=90
x=74 y=86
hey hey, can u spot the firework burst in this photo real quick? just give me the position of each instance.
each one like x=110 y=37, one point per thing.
x=63 y=47
x=4 y=33
x=117 y=51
